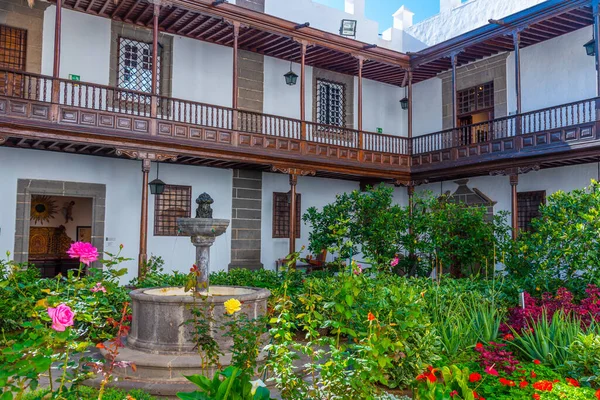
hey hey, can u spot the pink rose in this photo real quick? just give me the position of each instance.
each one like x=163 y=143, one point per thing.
x=84 y=251
x=62 y=316
x=394 y=262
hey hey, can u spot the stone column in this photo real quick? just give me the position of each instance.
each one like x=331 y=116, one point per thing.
x=202 y=244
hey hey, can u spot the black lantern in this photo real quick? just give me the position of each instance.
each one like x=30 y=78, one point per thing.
x=590 y=48
x=291 y=78
x=157 y=186
x=404 y=101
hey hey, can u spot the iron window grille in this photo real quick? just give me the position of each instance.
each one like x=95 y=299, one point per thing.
x=528 y=204
x=13 y=46
x=331 y=103
x=135 y=69
x=281 y=215
x=175 y=202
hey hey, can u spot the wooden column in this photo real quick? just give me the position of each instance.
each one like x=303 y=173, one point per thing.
x=235 y=94
x=56 y=66
x=303 y=90
x=595 y=9
x=517 y=46
x=143 y=256
x=293 y=182
x=410 y=114
x=453 y=58
x=154 y=87
x=514 y=181
x=361 y=62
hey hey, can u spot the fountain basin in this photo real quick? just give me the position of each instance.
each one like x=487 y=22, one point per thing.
x=205 y=227
x=159 y=316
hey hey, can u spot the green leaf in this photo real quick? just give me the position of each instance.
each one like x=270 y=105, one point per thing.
x=349 y=300
x=189 y=396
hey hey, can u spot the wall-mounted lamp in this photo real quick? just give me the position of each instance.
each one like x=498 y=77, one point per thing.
x=590 y=48
x=404 y=101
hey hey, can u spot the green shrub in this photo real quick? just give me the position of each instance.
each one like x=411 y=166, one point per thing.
x=87 y=393
x=583 y=360
x=563 y=249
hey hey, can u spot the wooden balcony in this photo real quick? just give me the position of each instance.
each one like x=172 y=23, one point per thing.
x=39 y=107
x=560 y=135
x=37 y=111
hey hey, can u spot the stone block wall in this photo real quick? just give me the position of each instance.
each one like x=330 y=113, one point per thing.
x=477 y=73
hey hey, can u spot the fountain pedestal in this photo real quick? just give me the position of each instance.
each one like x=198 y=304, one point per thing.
x=160 y=343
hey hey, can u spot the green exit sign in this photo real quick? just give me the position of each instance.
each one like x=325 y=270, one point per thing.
x=379 y=130
x=74 y=77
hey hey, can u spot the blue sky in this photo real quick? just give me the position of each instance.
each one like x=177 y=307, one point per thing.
x=382 y=10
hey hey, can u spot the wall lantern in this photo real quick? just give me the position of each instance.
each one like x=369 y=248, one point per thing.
x=348 y=27
x=291 y=78
x=404 y=101
x=590 y=47
x=157 y=186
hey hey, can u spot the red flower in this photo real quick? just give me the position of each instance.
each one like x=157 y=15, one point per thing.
x=370 y=316
x=491 y=371
x=543 y=386
x=479 y=346
x=474 y=377
x=453 y=393
x=523 y=384
x=509 y=337
x=533 y=374
x=537 y=362
x=536 y=396
x=598 y=394
x=507 y=382
x=572 y=382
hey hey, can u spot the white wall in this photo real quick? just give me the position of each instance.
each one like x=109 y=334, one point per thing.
x=498 y=188
x=427 y=107
x=464 y=18
x=81 y=213
x=202 y=71
x=316 y=192
x=85 y=46
x=281 y=99
x=553 y=72
x=123 y=193
x=381 y=108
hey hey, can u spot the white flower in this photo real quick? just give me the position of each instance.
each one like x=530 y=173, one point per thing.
x=256 y=384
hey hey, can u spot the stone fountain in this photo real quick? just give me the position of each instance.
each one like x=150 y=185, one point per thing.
x=160 y=344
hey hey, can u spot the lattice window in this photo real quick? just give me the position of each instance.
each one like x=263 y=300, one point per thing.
x=175 y=202
x=477 y=98
x=13 y=45
x=281 y=215
x=528 y=204
x=135 y=66
x=331 y=103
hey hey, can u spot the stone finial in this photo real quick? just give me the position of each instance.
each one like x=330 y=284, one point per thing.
x=403 y=18
x=204 y=209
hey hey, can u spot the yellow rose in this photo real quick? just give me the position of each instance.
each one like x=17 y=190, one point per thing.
x=42 y=303
x=232 y=306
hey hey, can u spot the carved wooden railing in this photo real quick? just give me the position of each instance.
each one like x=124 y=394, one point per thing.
x=468 y=140
x=194 y=113
x=551 y=118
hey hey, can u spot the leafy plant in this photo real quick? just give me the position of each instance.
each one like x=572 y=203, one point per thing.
x=583 y=360
x=230 y=384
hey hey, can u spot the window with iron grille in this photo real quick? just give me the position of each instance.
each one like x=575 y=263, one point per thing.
x=331 y=103
x=477 y=98
x=528 y=204
x=281 y=215
x=175 y=202
x=135 y=66
x=13 y=45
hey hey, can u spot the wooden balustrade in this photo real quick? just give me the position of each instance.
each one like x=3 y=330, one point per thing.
x=332 y=135
x=25 y=86
x=103 y=98
x=194 y=113
x=84 y=95
x=270 y=125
